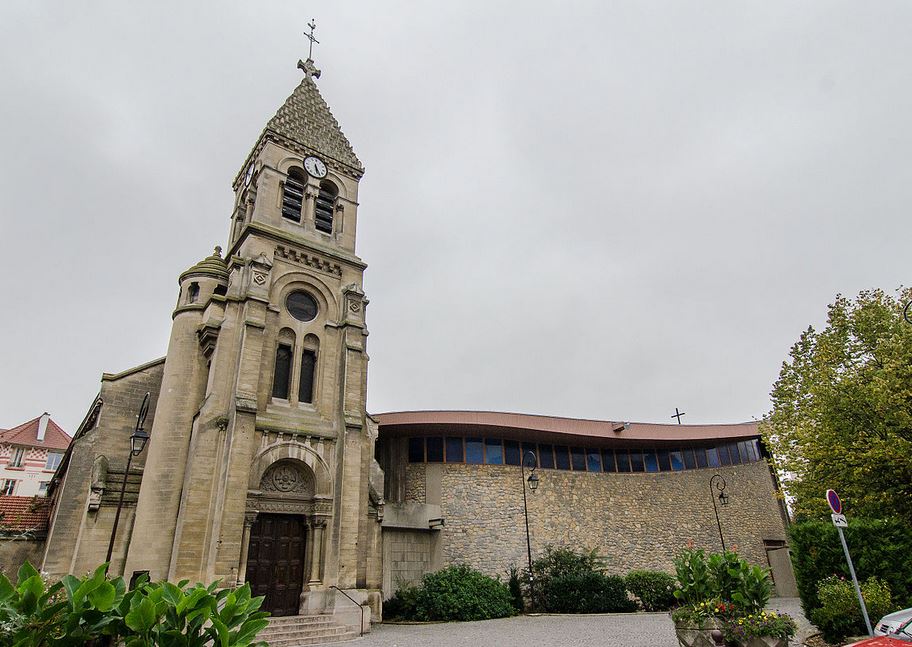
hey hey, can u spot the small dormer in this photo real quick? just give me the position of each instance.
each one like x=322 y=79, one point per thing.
x=207 y=278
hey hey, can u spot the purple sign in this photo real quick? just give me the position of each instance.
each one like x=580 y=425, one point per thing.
x=834 y=502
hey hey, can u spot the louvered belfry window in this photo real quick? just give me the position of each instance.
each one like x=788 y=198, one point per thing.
x=323 y=213
x=293 y=195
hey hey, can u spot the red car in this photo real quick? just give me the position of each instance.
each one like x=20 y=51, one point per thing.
x=902 y=637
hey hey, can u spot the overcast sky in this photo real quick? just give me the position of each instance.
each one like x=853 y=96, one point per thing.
x=591 y=209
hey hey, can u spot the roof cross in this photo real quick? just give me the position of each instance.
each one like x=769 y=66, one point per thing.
x=313 y=25
x=308 y=66
x=678 y=415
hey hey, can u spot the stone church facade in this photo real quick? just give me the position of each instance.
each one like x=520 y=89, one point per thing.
x=263 y=465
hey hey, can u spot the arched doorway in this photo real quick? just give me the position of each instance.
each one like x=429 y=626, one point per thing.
x=283 y=536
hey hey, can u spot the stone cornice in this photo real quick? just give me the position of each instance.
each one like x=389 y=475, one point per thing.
x=279 y=236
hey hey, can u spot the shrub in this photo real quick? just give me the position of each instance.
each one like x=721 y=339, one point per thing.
x=516 y=590
x=654 y=589
x=879 y=548
x=454 y=593
x=840 y=616
x=570 y=582
x=76 y=611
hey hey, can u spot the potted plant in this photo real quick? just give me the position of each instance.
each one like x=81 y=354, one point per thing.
x=723 y=592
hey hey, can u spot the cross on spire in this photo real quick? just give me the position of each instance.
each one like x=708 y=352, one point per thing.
x=678 y=415
x=308 y=66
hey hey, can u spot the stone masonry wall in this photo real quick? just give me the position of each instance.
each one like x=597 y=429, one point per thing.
x=638 y=520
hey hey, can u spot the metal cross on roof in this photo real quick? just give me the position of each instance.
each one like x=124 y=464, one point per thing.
x=678 y=415
x=313 y=25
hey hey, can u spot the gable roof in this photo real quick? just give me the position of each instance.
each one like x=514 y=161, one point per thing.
x=27 y=434
x=20 y=513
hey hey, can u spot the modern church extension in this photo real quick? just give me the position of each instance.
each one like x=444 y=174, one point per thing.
x=263 y=465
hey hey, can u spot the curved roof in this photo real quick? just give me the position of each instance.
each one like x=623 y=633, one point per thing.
x=213 y=265
x=424 y=422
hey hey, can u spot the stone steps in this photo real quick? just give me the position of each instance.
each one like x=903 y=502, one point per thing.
x=294 y=631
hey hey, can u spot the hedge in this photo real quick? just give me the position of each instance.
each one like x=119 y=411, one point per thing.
x=879 y=547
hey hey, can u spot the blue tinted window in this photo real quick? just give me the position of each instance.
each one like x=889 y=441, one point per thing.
x=690 y=460
x=511 y=452
x=636 y=462
x=735 y=455
x=454 y=453
x=546 y=456
x=712 y=457
x=664 y=460
x=700 y=453
x=623 y=460
x=593 y=460
x=493 y=451
x=608 y=460
x=561 y=457
x=744 y=452
x=434 y=450
x=578 y=459
x=724 y=458
x=755 y=444
x=677 y=460
x=474 y=450
x=416 y=450
x=649 y=458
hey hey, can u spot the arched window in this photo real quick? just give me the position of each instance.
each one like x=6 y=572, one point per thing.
x=193 y=293
x=293 y=194
x=308 y=369
x=281 y=382
x=326 y=203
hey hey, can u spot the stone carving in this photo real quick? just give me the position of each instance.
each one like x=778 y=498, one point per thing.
x=354 y=306
x=286 y=478
x=308 y=260
x=259 y=278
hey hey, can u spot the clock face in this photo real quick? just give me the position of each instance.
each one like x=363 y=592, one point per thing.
x=315 y=167
x=249 y=175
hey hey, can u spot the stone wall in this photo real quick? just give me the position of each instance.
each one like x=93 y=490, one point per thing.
x=407 y=556
x=14 y=552
x=638 y=520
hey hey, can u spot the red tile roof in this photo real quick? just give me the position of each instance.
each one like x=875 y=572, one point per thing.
x=19 y=513
x=423 y=422
x=27 y=434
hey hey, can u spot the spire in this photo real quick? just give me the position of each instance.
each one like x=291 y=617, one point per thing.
x=310 y=69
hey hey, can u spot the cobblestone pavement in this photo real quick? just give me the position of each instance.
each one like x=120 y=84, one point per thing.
x=621 y=630
x=630 y=630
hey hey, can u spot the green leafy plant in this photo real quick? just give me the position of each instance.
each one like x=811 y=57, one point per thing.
x=840 y=616
x=654 y=589
x=721 y=576
x=76 y=611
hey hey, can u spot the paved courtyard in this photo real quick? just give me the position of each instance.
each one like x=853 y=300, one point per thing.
x=629 y=630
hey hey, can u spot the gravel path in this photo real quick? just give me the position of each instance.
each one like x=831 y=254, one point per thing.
x=624 y=629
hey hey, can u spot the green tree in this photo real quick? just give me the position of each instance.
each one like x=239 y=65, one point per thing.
x=842 y=410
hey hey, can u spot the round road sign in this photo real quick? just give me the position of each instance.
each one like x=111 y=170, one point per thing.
x=834 y=502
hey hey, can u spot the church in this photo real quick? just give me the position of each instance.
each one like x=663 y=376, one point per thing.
x=263 y=465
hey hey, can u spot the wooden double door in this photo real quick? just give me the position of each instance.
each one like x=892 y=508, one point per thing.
x=275 y=561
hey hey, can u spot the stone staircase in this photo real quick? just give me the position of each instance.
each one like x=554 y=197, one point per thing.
x=293 y=631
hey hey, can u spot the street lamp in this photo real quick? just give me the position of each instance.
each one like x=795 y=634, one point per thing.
x=533 y=485
x=907 y=312
x=138 y=440
x=723 y=500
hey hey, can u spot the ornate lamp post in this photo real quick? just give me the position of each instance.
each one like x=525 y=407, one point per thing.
x=533 y=485
x=723 y=500
x=907 y=312
x=138 y=440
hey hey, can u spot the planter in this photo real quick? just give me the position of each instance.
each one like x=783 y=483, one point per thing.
x=702 y=637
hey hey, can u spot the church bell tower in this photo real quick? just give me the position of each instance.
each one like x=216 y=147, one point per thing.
x=260 y=465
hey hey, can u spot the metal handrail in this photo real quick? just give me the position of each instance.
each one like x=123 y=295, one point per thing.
x=360 y=606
